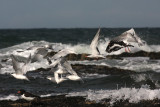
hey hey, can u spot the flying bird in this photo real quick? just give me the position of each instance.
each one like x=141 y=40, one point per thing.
x=124 y=41
x=20 y=68
x=57 y=57
x=63 y=53
x=94 y=46
x=72 y=75
x=40 y=54
x=64 y=68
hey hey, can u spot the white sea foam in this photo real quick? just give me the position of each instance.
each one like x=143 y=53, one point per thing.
x=140 y=64
x=93 y=76
x=136 y=64
x=9 y=97
x=79 y=48
x=86 y=62
x=52 y=94
x=132 y=94
x=140 y=77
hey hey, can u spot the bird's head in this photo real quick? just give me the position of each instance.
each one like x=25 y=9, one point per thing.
x=21 y=91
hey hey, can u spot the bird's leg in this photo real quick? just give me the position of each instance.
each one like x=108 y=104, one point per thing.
x=129 y=49
x=125 y=49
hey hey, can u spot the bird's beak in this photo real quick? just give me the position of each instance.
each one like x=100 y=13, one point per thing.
x=19 y=92
x=87 y=56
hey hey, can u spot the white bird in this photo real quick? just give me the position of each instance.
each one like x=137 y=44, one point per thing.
x=63 y=53
x=124 y=41
x=72 y=75
x=58 y=69
x=64 y=68
x=20 y=68
x=47 y=46
x=58 y=78
x=41 y=54
x=57 y=57
x=57 y=74
x=51 y=79
x=94 y=46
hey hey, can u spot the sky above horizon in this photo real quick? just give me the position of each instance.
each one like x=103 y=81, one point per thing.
x=79 y=13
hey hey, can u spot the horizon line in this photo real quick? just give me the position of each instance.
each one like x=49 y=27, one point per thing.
x=75 y=28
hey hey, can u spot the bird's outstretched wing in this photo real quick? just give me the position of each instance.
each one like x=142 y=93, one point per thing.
x=16 y=65
x=24 y=67
x=94 y=43
x=28 y=59
x=62 y=53
x=68 y=67
x=127 y=37
x=19 y=67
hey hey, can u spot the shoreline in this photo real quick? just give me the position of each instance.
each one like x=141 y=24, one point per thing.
x=62 y=101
